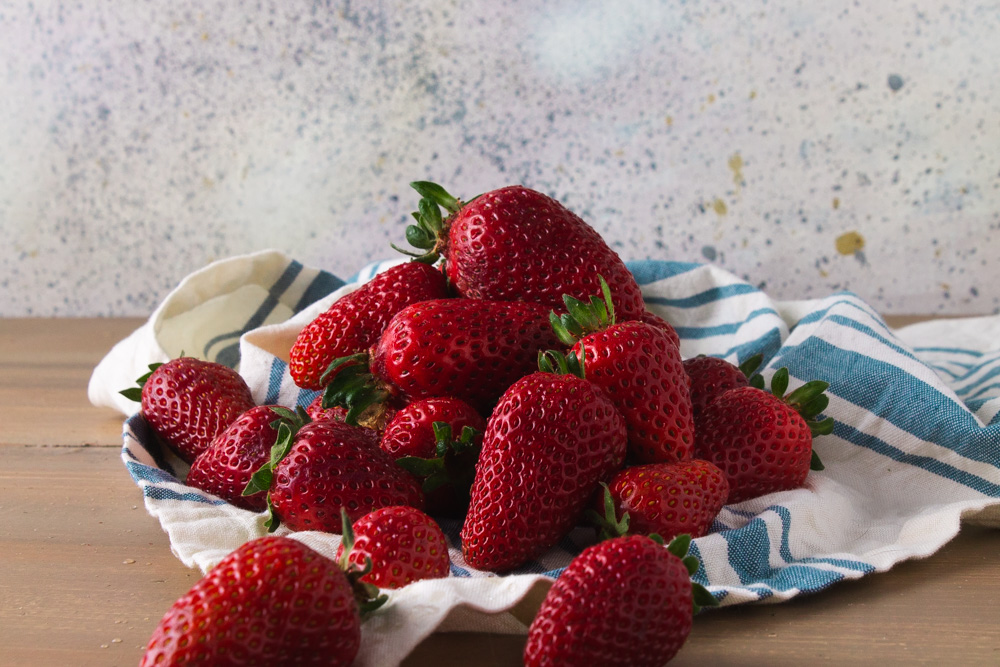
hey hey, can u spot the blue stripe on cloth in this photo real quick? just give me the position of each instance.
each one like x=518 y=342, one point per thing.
x=274 y=381
x=705 y=297
x=457 y=571
x=161 y=493
x=977 y=384
x=927 y=463
x=648 y=271
x=890 y=392
x=230 y=354
x=141 y=472
x=988 y=392
x=786 y=552
x=324 y=283
x=949 y=350
x=728 y=328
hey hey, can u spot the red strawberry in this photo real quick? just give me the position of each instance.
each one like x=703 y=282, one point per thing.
x=331 y=466
x=188 y=402
x=402 y=544
x=640 y=368
x=470 y=348
x=549 y=442
x=225 y=468
x=354 y=322
x=272 y=601
x=422 y=438
x=762 y=440
x=663 y=498
x=624 y=601
x=516 y=244
x=660 y=323
x=712 y=376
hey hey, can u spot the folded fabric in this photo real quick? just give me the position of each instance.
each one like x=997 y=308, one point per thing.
x=915 y=449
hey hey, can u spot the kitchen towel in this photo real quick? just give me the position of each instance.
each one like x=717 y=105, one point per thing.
x=915 y=449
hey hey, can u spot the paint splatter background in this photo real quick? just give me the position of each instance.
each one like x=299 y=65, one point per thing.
x=805 y=148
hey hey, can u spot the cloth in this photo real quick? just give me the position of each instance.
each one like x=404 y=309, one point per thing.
x=914 y=452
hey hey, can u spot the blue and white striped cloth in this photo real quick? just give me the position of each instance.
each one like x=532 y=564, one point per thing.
x=915 y=450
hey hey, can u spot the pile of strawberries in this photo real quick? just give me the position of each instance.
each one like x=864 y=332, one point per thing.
x=509 y=376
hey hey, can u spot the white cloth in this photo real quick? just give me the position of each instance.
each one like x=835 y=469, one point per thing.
x=915 y=449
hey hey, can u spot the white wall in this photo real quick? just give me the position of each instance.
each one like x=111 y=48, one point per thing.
x=810 y=147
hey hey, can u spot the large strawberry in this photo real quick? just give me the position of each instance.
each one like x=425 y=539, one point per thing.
x=762 y=440
x=272 y=601
x=437 y=440
x=640 y=368
x=516 y=244
x=667 y=499
x=624 y=601
x=329 y=466
x=469 y=348
x=402 y=544
x=188 y=402
x=354 y=322
x=549 y=442
x=226 y=467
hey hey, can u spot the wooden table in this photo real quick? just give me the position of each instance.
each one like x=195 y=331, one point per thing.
x=85 y=573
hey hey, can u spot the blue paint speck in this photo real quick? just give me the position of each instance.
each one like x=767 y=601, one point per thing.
x=895 y=82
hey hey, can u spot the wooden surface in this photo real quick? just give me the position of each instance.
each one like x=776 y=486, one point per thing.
x=85 y=573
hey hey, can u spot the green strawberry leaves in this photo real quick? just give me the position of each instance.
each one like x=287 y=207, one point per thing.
x=609 y=525
x=429 y=229
x=809 y=400
x=135 y=393
x=700 y=596
x=449 y=466
x=559 y=363
x=287 y=425
x=582 y=318
x=353 y=387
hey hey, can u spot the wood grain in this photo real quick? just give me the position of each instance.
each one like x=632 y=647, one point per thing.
x=85 y=573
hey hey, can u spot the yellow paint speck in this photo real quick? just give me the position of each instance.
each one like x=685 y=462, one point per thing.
x=204 y=36
x=836 y=203
x=753 y=94
x=711 y=99
x=670 y=121
x=849 y=243
x=207 y=182
x=736 y=166
x=719 y=207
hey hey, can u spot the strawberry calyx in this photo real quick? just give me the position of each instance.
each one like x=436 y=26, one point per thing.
x=367 y=595
x=355 y=389
x=428 y=235
x=582 y=318
x=750 y=366
x=809 y=401
x=679 y=547
x=135 y=393
x=288 y=424
x=609 y=525
x=453 y=463
x=561 y=363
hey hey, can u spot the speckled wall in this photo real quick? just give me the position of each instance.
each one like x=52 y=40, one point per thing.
x=809 y=147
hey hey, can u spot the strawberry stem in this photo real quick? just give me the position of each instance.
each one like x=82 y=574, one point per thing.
x=609 y=526
x=365 y=594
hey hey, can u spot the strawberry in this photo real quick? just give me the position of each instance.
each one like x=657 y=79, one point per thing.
x=469 y=348
x=188 y=402
x=328 y=466
x=640 y=368
x=712 y=376
x=421 y=437
x=668 y=499
x=271 y=601
x=225 y=468
x=624 y=601
x=762 y=440
x=354 y=322
x=402 y=543
x=516 y=244
x=660 y=323
x=549 y=442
